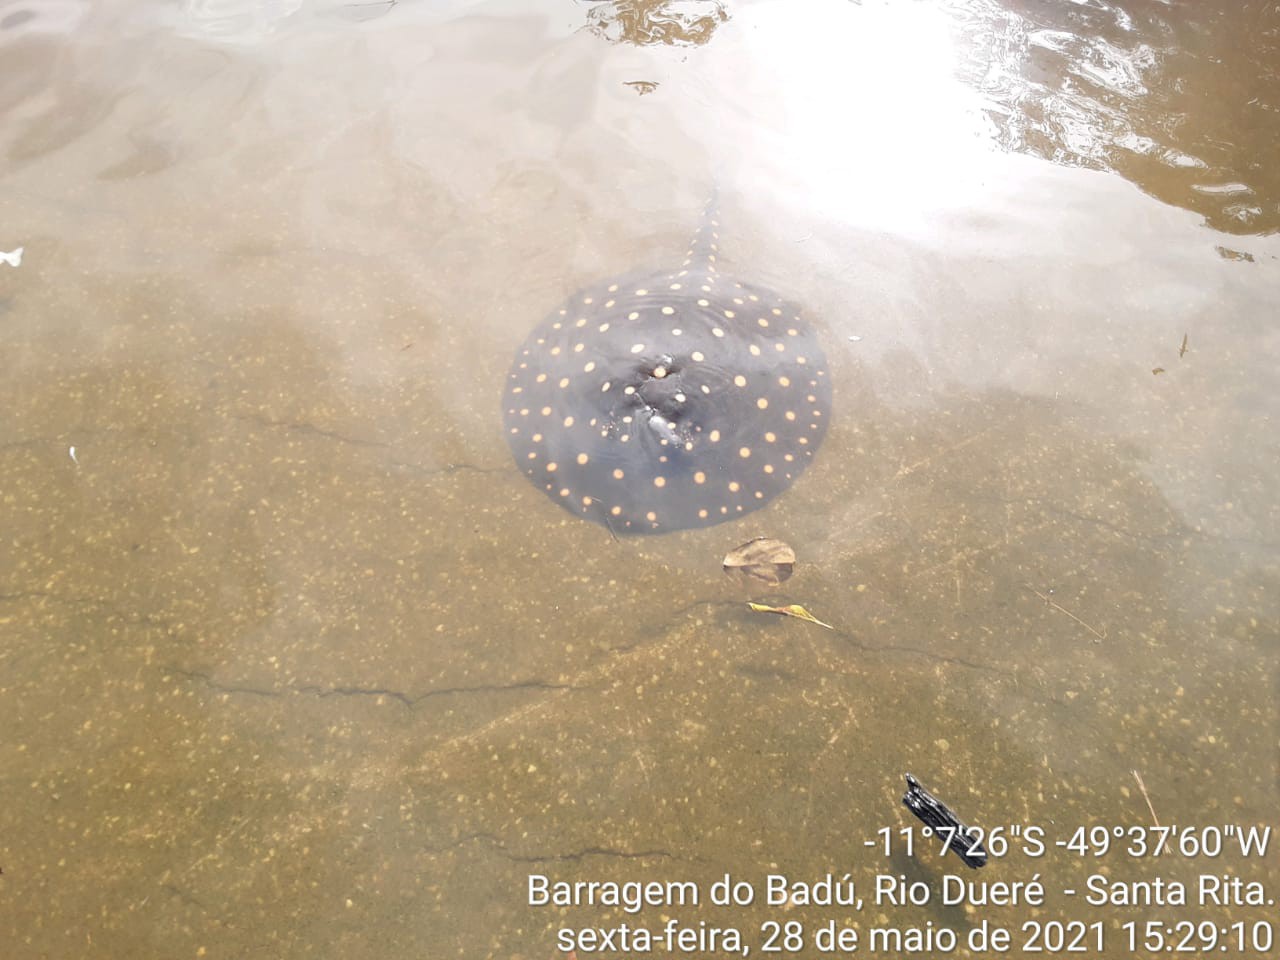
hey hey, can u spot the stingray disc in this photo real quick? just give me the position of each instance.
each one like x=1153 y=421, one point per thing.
x=678 y=400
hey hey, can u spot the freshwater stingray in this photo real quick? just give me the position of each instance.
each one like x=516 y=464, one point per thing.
x=675 y=399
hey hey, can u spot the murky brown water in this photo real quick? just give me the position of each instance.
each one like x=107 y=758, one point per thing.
x=294 y=662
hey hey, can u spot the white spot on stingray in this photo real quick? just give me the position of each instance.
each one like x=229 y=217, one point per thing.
x=603 y=327
x=668 y=310
x=717 y=331
x=637 y=348
x=659 y=481
x=762 y=403
x=582 y=458
x=564 y=382
x=591 y=365
x=739 y=381
x=697 y=356
x=642 y=293
x=568 y=421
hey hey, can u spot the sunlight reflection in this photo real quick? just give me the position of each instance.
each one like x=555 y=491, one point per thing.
x=862 y=110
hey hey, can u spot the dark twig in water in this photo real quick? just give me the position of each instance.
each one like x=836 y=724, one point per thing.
x=1057 y=606
x=963 y=841
x=595 y=501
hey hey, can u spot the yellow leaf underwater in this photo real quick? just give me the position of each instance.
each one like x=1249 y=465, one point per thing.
x=790 y=610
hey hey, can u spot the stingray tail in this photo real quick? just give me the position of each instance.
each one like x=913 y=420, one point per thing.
x=703 y=248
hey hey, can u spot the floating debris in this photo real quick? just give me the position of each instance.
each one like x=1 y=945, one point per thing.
x=641 y=86
x=1226 y=253
x=682 y=23
x=71 y=452
x=13 y=258
x=1156 y=371
x=765 y=559
x=1182 y=350
x=963 y=841
x=790 y=610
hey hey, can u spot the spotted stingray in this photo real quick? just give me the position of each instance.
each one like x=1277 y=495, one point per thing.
x=676 y=399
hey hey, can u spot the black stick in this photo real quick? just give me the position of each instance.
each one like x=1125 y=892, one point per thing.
x=963 y=841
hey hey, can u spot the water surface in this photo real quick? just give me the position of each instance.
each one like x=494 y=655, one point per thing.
x=295 y=662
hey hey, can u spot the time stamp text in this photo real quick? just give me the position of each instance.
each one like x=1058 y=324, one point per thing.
x=1203 y=910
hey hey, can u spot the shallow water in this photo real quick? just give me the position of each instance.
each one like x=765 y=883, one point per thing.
x=295 y=662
